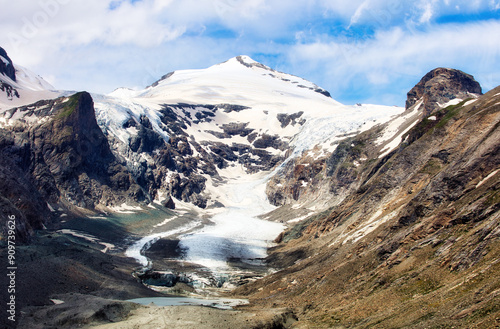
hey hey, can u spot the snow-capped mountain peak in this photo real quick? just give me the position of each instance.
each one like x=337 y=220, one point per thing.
x=236 y=114
x=240 y=80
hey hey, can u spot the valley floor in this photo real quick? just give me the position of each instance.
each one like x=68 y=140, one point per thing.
x=188 y=317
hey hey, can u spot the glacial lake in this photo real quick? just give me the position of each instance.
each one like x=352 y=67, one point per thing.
x=220 y=303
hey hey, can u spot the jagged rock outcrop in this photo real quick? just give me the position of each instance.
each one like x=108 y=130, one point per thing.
x=7 y=69
x=440 y=86
x=55 y=155
x=19 y=199
x=6 y=65
x=71 y=151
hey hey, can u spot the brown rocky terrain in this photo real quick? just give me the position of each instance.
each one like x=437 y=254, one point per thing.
x=414 y=238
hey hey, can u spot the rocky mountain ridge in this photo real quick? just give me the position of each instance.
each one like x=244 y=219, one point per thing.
x=327 y=180
x=440 y=86
x=64 y=160
x=179 y=134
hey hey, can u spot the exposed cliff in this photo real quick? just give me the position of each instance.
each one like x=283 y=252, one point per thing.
x=54 y=156
x=6 y=65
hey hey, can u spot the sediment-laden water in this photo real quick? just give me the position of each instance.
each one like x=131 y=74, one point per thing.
x=232 y=243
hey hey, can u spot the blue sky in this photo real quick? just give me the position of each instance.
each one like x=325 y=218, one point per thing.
x=368 y=51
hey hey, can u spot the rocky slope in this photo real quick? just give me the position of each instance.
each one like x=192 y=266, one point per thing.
x=413 y=238
x=61 y=161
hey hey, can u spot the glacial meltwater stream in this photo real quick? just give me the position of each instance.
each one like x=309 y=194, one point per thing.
x=237 y=232
x=233 y=235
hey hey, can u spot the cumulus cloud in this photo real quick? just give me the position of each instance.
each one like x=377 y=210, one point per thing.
x=344 y=45
x=397 y=54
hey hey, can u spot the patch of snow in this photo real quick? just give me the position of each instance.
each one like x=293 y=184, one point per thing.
x=301 y=218
x=454 y=101
x=394 y=125
x=167 y=220
x=432 y=118
x=364 y=231
x=4 y=60
x=367 y=227
x=50 y=207
x=56 y=301
x=396 y=141
x=125 y=209
x=487 y=177
x=470 y=102
x=88 y=237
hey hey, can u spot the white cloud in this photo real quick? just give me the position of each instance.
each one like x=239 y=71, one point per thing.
x=359 y=12
x=400 y=54
x=386 y=13
x=495 y=5
x=102 y=44
x=428 y=12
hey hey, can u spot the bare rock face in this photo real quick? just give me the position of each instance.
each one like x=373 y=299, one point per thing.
x=440 y=86
x=7 y=68
x=61 y=159
x=76 y=153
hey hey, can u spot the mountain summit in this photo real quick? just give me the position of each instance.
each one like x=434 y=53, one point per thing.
x=440 y=86
x=238 y=112
x=240 y=80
